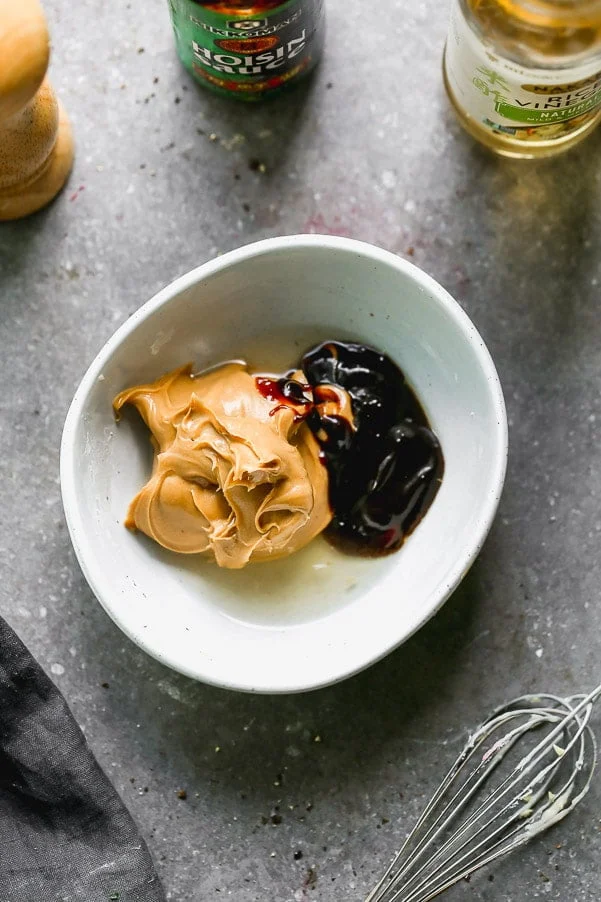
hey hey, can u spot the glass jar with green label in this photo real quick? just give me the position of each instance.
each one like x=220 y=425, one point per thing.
x=248 y=49
x=524 y=76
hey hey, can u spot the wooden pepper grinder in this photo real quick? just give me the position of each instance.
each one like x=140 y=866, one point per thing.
x=36 y=143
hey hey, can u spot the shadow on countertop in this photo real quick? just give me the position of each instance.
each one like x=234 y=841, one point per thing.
x=327 y=737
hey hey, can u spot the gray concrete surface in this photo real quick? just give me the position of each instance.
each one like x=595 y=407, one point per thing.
x=163 y=181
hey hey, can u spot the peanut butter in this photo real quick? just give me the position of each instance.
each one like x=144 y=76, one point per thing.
x=237 y=476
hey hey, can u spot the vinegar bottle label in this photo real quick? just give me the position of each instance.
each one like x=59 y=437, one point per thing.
x=506 y=97
x=250 y=53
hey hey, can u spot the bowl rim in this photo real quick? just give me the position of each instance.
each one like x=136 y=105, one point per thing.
x=93 y=571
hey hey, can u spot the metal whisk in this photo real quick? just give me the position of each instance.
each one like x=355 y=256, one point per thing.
x=521 y=772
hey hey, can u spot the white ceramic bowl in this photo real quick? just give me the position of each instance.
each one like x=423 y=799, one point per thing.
x=317 y=617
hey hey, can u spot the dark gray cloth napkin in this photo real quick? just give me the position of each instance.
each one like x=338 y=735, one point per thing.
x=65 y=834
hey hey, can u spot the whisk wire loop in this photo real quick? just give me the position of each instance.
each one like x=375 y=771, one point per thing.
x=460 y=831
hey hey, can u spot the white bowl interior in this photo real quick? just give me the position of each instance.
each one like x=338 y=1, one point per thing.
x=318 y=616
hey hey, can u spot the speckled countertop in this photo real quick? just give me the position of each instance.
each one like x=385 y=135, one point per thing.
x=305 y=797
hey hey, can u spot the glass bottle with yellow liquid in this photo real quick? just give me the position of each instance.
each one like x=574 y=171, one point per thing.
x=524 y=76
